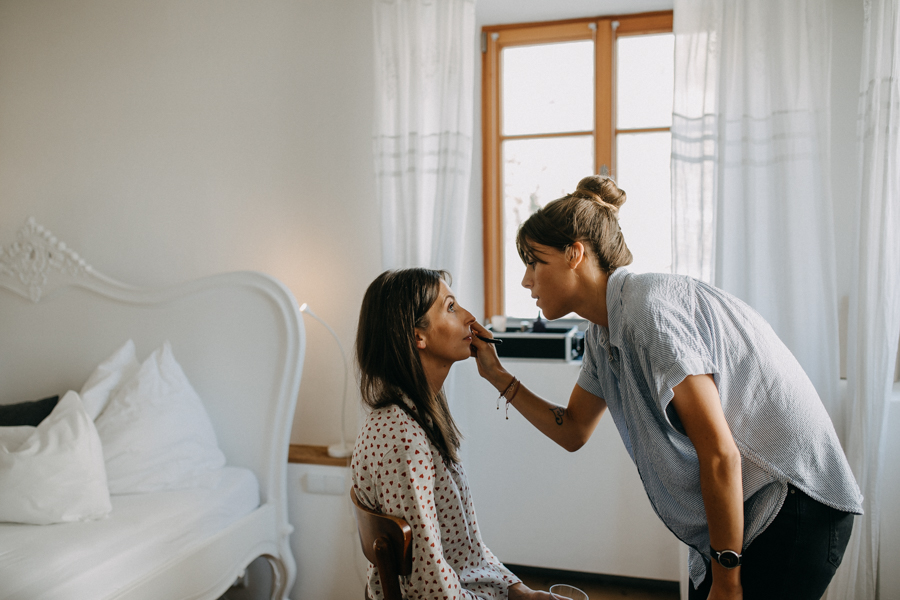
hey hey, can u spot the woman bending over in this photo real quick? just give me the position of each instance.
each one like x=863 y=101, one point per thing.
x=733 y=445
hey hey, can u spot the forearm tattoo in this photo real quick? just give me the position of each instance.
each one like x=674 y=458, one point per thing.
x=559 y=412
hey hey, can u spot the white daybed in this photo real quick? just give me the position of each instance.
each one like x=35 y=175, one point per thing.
x=240 y=340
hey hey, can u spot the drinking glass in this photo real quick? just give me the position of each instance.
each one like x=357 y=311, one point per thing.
x=561 y=590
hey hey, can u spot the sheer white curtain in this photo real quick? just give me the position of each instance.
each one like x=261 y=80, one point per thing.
x=874 y=324
x=424 y=86
x=751 y=208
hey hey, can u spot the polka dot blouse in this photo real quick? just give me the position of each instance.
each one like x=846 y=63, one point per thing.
x=396 y=471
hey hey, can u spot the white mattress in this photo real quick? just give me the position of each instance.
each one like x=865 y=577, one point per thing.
x=93 y=560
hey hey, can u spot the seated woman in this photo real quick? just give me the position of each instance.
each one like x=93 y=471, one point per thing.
x=406 y=461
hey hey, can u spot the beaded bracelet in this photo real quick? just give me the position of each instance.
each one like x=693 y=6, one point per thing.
x=509 y=393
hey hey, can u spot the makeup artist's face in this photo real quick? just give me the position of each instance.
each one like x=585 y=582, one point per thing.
x=550 y=282
x=448 y=335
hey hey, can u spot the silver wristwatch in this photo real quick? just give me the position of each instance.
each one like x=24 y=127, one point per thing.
x=727 y=558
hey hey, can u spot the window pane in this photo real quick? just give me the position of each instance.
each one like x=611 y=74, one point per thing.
x=548 y=88
x=535 y=172
x=645 y=78
x=642 y=162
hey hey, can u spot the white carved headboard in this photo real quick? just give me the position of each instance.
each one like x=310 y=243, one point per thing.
x=239 y=337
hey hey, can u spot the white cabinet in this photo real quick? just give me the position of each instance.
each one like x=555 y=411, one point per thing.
x=330 y=564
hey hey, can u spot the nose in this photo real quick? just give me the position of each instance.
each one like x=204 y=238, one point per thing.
x=468 y=319
x=527 y=281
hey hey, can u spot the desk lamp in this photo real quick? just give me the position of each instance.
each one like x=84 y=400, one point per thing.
x=341 y=450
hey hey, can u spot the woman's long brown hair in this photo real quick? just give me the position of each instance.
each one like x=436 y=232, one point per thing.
x=390 y=368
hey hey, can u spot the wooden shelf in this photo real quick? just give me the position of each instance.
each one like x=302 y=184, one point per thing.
x=314 y=455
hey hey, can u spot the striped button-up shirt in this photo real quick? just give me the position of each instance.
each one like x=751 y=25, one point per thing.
x=663 y=328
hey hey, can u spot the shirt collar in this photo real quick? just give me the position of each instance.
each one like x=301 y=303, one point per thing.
x=408 y=403
x=414 y=409
x=615 y=304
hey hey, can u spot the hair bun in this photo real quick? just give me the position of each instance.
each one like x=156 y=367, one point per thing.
x=601 y=189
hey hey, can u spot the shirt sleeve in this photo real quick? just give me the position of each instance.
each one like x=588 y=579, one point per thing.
x=670 y=343
x=499 y=569
x=404 y=483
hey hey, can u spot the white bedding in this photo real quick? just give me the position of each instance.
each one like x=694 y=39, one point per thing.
x=96 y=559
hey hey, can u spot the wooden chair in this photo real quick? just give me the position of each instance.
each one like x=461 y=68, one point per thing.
x=387 y=544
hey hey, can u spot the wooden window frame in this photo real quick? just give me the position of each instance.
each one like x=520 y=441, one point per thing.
x=604 y=31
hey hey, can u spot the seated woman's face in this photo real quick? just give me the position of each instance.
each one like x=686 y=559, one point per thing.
x=448 y=335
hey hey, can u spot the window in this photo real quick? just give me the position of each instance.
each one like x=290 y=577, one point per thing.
x=562 y=100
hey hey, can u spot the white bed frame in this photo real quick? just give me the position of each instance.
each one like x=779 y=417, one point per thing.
x=239 y=338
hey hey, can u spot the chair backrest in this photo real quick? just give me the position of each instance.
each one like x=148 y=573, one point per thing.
x=387 y=544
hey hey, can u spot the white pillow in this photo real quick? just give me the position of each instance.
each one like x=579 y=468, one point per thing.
x=11 y=437
x=109 y=375
x=55 y=474
x=155 y=431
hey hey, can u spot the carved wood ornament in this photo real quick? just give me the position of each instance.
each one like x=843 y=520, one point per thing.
x=36 y=256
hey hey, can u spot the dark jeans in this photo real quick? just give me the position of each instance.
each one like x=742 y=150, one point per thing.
x=796 y=556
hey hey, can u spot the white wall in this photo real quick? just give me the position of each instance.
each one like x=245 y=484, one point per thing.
x=169 y=139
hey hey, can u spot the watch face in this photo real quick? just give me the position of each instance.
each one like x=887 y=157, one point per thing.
x=729 y=559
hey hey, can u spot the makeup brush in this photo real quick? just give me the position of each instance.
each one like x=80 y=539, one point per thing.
x=489 y=340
